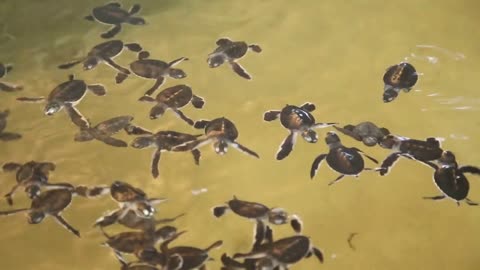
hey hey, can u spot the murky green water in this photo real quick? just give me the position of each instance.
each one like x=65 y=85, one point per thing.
x=331 y=53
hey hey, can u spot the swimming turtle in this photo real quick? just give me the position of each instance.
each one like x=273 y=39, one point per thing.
x=103 y=131
x=67 y=95
x=366 y=132
x=231 y=51
x=165 y=141
x=342 y=159
x=421 y=150
x=174 y=98
x=398 y=77
x=296 y=120
x=104 y=52
x=6 y=136
x=222 y=132
x=113 y=14
x=450 y=179
x=153 y=69
x=4 y=86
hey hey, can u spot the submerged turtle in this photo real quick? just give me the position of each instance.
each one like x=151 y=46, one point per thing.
x=103 y=131
x=366 y=132
x=398 y=77
x=6 y=136
x=427 y=150
x=231 y=51
x=104 y=52
x=174 y=98
x=165 y=141
x=153 y=69
x=296 y=120
x=113 y=14
x=342 y=159
x=7 y=87
x=450 y=178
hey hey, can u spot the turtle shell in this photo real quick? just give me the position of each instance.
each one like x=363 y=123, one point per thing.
x=422 y=150
x=107 y=49
x=291 y=249
x=401 y=76
x=124 y=192
x=52 y=201
x=110 y=14
x=368 y=129
x=222 y=127
x=234 y=50
x=128 y=242
x=345 y=160
x=149 y=68
x=175 y=96
x=295 y=118
x=169 y=139
x=68 y=92
x=248 y=209
x=192 y=257
x=452 y=183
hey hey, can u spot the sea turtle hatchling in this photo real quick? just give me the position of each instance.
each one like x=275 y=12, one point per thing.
x=366 y=132
x=231 y=51
x=104 y=52
x=6 y=136
x=113 y=14
x=342 y=159
x=296 y=120
x=102 y=131
x=4 y=86
x=398 y=77
x=174 y=98
x=154 y=69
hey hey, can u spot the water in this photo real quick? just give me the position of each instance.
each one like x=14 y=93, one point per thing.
x=331 y=53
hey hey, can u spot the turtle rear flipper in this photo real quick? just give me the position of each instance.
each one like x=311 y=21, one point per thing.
x=271 y=115
x=201 y=124
x=198 y=101
x=89 y=18
x=10 y=87
x=112 y=31
x=120 y=77
x=196 y=156
x=177 y=61
x=223 y=42
x=310 y=107
x=113 y=142
x=134 y=47
x=31 y=99
x=69 y=64
x=220 y=211
x=255 y=48
x=97 y=89
x=240 y=70
x=9 y=136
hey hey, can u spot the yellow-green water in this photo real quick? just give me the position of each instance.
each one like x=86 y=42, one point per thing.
x=331 y=53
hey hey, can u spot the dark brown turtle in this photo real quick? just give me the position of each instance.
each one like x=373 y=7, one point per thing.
x=104 y=52
x=174 y=98
x=450 y=179
x=153 y=69
x=398 y=77
x=48 y=203
x=231 y=51
x=4 y=86
x=165 y=141
x=342 y=159
x=427 y=150
x=6 y=136
x=296 y=120
x=102 y=131
x=366 y=132
x=113 y=14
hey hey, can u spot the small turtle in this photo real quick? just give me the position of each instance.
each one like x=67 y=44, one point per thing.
x=153 y=69
x=345 y=160
x=103 y=131
x=7 y=87
x=398 y=77
x=174 y=98
x=113 y=14
x=222 y=132
x=165 y=141
x=450 y=178
x=427 y=150
x=52 y=203
x=366 y=132
x=67 y=95
x=6 y=136
x=297 y=120
x=231 y=51
x=104 y=52
x=261 y=214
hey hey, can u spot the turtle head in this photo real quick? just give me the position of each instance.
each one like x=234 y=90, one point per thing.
x=177 y=73
x=90 y=63
x=144 y=209
x=370 y=141
x=52 y=107
x=215 y=60
x=35 y=217
x=332 y=138
x=448 y=158
x=157 y=111
x=165 y=233
x=389 y=94
x=143 y=142
x=310 y=136
x=388 y=142
x=277 y=216
x=32 y=191
x=83 y=136
x=220 y=146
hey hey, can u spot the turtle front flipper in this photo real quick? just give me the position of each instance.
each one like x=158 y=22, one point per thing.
x=177 y=61
x=135 y=9
x=287 y=146
x=9 y=195
x=244 y=149
x=348 y=130
x=112 y=31
x=316 y=165
x=108 y=220
x=219 y=211
x=155 y=163
x=113 y=142
x=318 y=253
x=77 y=118
x=469 y=169
x=70 y=64
x=114 y=65
x=136 y=21
x=388 y=163
x=134 y=47
x=198 y=101
x=367 y=156
x=11 y=166
x=340 y=177
x=13 y=212
x=260 y=229
x=201 y=124
x=307 y=106
x=158 y=84
x=237 y=68
x=183 y=117
x=89 y=18
x=435 y=198
x=31 y=99
x=120 y=77
x=66 y=225
x=196 y=156
x=230 y=263
x=83 y=136
x=9 y=136
x=10 y=87
x=97 y=89
x=271 y=115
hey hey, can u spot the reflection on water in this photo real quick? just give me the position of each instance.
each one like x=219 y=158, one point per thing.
x=330 y=53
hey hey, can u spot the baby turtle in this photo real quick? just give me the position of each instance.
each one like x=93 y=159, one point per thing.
x=450 y=179
x=153 y=69
x=366 y=132
x=174 y=98
x=113 y=14
x=222 y=132
x=67 y=95
x=103 y=131
x=296 y=120
x=104 y=52
x=398 y=77
x=6 y=136
x=427 y=150
x=48 y=203
x=4 y=86
x=342 y=159
x=165 y=141
x=231 y=51
x=260 y=213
